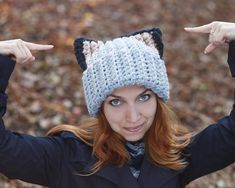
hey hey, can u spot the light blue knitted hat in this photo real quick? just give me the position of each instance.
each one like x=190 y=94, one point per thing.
x=134 y=59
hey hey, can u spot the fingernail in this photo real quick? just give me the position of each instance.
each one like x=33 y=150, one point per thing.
x=205 y=52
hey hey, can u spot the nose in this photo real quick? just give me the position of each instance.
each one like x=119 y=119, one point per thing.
x=133 y=114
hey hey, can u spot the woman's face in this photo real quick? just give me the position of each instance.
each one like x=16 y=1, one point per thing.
x=130 y=111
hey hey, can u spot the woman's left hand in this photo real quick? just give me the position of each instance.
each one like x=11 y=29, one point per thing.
x=220 y=33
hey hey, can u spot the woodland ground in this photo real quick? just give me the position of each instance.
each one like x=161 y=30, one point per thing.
x=48 y=92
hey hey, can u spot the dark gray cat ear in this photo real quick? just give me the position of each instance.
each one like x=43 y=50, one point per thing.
x=156 y=35
x=82 y=47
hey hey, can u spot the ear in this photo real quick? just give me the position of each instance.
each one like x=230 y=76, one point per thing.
x=83 y=50
x=151 y=37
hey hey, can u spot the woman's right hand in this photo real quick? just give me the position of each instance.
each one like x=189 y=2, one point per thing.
x=20 y=50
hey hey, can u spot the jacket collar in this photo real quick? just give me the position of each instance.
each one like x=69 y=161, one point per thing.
x=119 y=176
x=150 y=175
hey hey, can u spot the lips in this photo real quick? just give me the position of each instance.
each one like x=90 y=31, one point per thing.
x=134 y=129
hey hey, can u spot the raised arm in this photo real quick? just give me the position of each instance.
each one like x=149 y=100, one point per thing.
x=23 y=156
x=214 y=147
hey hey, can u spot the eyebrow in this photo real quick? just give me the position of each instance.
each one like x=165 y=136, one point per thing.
x=116 y=96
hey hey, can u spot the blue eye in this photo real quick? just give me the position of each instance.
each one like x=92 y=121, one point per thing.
x=144 y=97
x=115 y=102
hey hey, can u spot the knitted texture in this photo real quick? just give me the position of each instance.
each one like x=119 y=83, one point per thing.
x=134 y=59
x=122 y=62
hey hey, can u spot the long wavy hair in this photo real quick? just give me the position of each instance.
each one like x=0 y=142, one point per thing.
x=164 y=141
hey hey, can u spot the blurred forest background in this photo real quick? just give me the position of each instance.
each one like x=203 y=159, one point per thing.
x=48 y=92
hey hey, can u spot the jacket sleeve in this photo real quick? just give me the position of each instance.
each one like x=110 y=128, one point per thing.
x=32 y=159
x=6 y=68
x=214 y=147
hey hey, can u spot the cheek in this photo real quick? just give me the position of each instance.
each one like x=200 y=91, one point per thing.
x=150 y=109
x=113 y=116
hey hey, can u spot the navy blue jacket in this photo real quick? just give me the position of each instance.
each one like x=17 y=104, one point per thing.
x=56 y=161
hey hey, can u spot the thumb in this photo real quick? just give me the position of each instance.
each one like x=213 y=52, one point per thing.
x=210 y=48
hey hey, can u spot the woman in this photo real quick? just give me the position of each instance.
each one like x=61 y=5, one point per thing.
x=132 y=138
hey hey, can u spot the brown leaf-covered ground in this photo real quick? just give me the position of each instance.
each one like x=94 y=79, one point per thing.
x=48 y=92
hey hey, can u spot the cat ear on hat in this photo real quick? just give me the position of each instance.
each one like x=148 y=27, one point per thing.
x=151 y=37
x=84 y=48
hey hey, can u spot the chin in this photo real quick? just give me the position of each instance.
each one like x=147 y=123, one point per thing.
x=133 y=139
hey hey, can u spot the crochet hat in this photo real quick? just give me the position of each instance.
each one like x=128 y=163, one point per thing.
x=134 y=59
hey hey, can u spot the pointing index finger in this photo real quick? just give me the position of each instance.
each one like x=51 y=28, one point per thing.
x=33 y=46
x=201 y=29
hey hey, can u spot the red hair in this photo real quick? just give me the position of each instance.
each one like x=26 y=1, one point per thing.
x=164 y=141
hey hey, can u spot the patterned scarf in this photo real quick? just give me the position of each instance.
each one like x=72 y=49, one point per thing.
x=136 y=151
